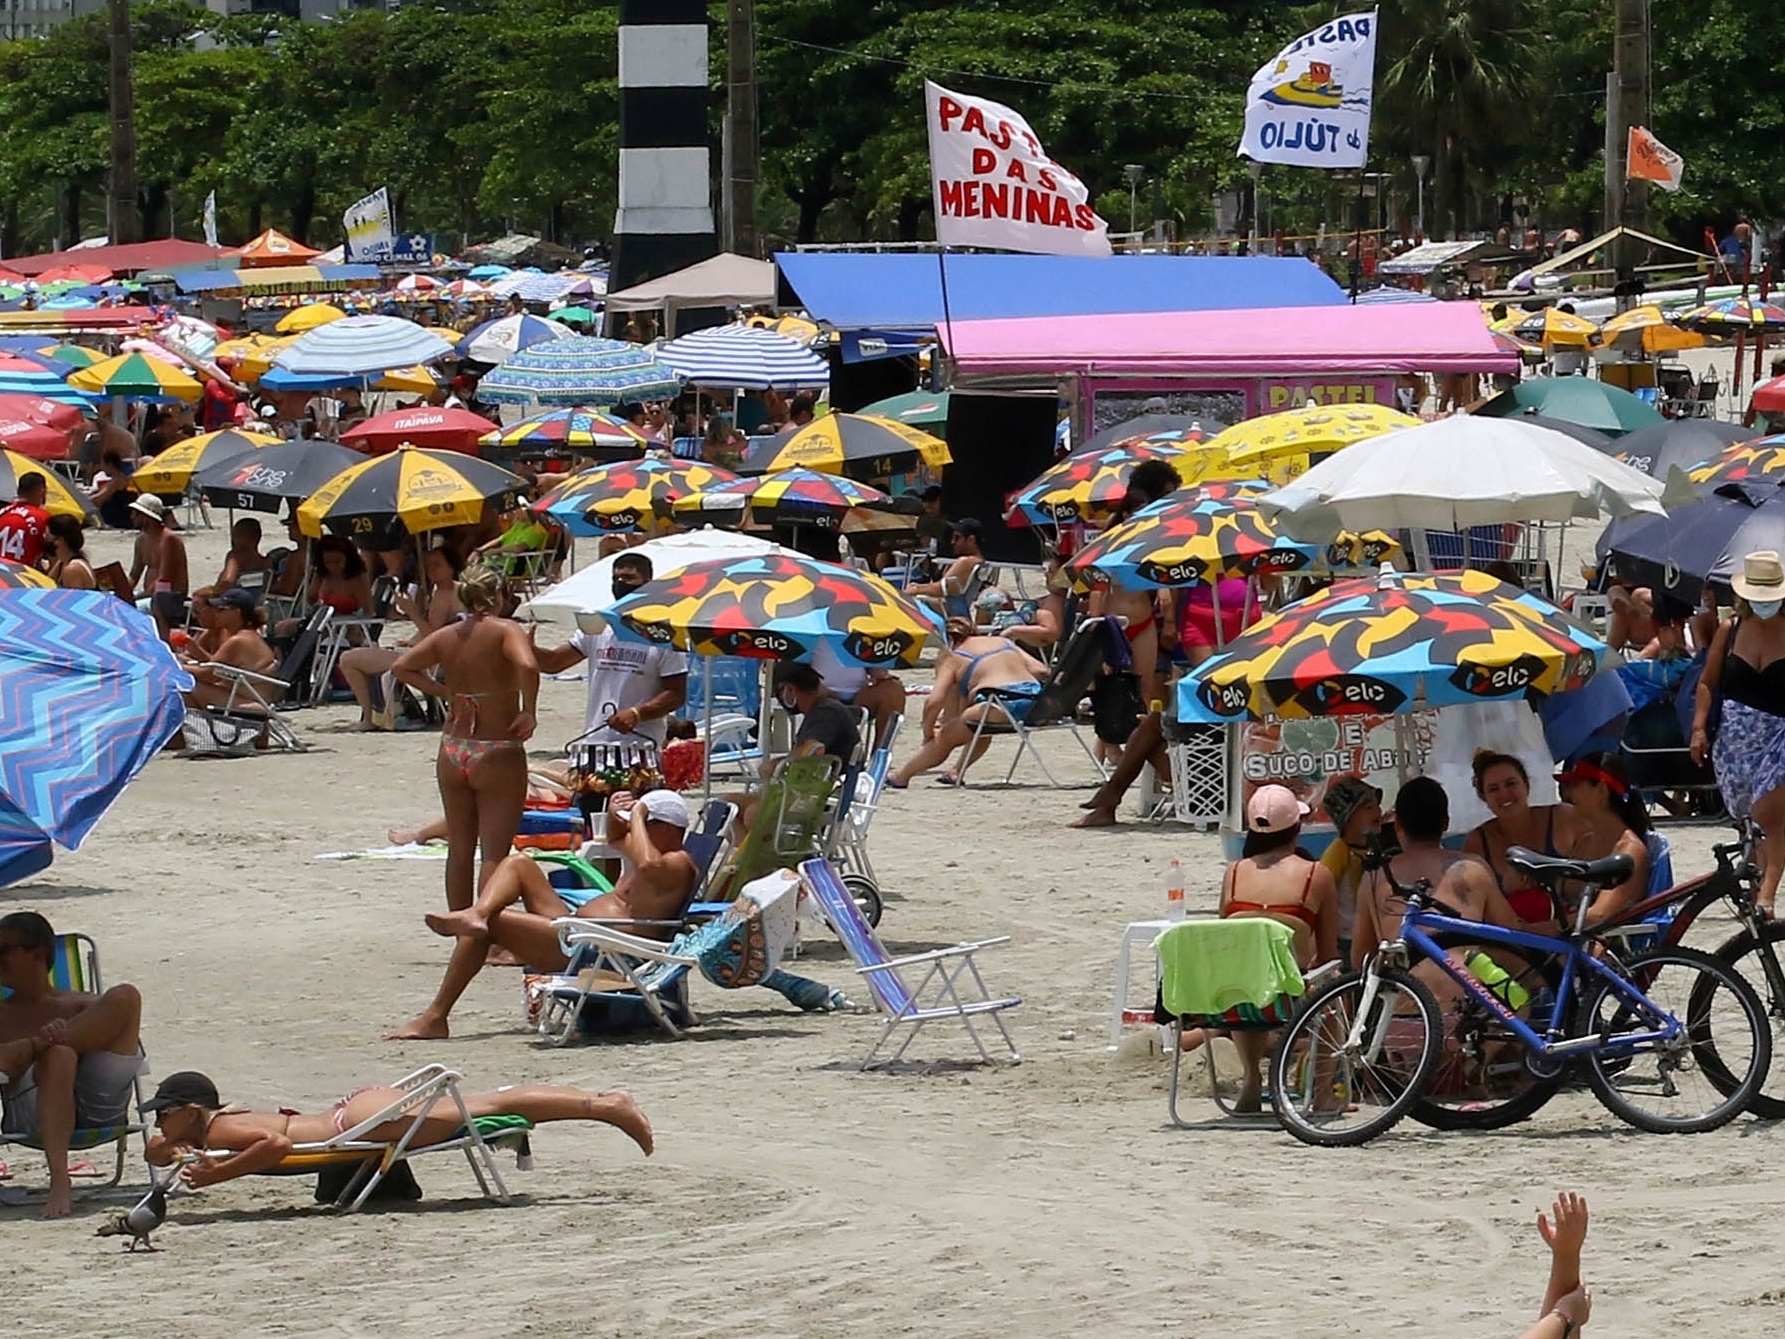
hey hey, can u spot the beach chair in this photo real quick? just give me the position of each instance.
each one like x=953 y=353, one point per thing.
x=1054 y=707
x=368 y=1161
x=1218 y=1002
x=949 y=988
x=790 y=823
x=249 y=718
x=75 y=967
x=344 y=632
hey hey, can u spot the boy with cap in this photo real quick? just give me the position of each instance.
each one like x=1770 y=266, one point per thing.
x=659 y=879
x=1355 y=807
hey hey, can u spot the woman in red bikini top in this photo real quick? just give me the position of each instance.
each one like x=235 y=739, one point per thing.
x=1504 y=785
x=1272 y=878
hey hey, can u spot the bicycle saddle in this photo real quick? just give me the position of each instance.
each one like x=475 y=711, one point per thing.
x=1547 y=869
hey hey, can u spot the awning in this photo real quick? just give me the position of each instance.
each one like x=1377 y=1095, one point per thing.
x=273 y=247
x=1428 y=337
x=165 y=254
x=71 y=319
x=1429 y=256
x=278 y=279
x=725 y=280
x=853 y=289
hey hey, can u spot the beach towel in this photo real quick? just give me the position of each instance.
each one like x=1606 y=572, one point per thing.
x=431 y=851
x=1209 y=967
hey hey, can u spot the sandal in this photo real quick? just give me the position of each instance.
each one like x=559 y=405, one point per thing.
x=948 y=779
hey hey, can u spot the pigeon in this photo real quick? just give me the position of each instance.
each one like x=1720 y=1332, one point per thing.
x=149 y=1214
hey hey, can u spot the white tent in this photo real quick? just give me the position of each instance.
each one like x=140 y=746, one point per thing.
x=725 y=280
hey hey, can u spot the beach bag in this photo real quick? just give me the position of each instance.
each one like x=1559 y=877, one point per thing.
x=748 y=941
x=216 y=735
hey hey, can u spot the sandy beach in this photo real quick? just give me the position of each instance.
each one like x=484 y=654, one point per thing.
x=791 y=1194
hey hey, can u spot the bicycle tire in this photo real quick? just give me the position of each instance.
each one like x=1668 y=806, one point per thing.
x=1320 y=1024
x=1769 y=1099
x=1495 y=1103
x=1613 y=1076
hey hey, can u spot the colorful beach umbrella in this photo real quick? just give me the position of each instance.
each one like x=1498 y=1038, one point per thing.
x=1763 y=458
x=308 y=317
x=275 y=476
x=1145 y=425
x=89 y=693
x=59 y=499
x=1735 y=316
x=421 y=489
x=744 y=357
x=798 y=496
x=858 y=445
x=16 y=576
x=136 y=376
x=361 y=346
x=173 y=469
x=579 y=370
x=1646 y=329
x=571 y=430
x=1582 y=400
x=611 y=499
x=1679 y=443
x=439 y=428
x=498 y=340
x=253 y=354
x=1086 y=487
x=1310 y=430
x=28 y=374
x=1381 y=645
x=777 y=606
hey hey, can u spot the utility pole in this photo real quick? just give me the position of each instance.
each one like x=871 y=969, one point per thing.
x=1627 y=105
x=740 y=147
x=122 y=202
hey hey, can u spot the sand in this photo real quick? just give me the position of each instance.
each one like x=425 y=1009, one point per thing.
x=790 y=1194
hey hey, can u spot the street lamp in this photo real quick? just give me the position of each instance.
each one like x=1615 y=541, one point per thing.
x=1422 y=164
x=1134 y=172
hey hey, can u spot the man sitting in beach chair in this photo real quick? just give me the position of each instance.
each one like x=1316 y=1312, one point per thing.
x=648 y=900
x=68 y=1059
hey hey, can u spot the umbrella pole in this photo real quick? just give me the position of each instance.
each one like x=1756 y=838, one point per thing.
x=1215 y=599
x=706 y=675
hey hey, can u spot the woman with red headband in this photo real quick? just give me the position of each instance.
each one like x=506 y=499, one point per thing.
x=1610 y=819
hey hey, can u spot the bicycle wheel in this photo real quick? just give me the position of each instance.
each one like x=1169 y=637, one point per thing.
x=1753 y=959
x=1353 y=1059
x=1664 y=1087
x=1482 y=1080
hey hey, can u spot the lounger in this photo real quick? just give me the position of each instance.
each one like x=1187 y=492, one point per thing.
x=950 y=987
x=76 y=968
x=250 y=715
x=1054 y=707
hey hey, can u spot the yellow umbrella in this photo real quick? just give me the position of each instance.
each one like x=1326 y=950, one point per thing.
x=1550 y=327
x=424 y=489
x=833 y=443
x=172 y=470
x=1258 y=443
x=253 y=354
x=1647 y=329
x=59 y=499
x=794 y=327
x=308 y=317
x=416 y=380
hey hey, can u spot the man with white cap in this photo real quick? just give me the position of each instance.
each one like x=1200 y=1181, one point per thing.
x=160 y=564
x=517 y=905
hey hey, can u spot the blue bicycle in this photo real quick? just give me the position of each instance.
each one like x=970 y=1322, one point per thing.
x=1363 y=1051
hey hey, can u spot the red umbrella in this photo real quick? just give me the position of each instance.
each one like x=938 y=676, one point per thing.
x=84 y=273
x=440 y=429
x=38 y=409
x=37 y=440
x=1769 y=396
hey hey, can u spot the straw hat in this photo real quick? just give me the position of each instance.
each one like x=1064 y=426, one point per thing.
x=1762 y=577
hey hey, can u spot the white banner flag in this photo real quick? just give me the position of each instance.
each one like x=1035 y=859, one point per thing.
x=211 y=219
x=1309 y=106
x=370 y=235
x=995 y=186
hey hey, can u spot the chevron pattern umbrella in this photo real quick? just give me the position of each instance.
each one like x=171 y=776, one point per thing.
x=743 y=357
x=360 y=345
x=580 y=370
x=88 y=695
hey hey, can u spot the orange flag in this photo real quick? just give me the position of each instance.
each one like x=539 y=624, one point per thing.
x=1649 y=159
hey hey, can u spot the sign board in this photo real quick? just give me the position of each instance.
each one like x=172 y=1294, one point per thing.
x=1306 y=754
x=412 y=248
x=370 y=235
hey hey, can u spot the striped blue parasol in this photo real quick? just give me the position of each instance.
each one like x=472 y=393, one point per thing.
x=28 y=374
x=743 y=357
x=579 y=370
x=361 y=344
x=88 y=695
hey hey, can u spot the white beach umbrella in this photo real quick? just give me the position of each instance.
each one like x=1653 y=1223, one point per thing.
x=361 y=345
x=1458 y=472
x=589 y=591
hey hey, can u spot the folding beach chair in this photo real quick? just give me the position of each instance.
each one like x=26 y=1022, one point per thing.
x=250 y=715
x=75 y=967
x=344 y=632
x=950 y=987
x=370 y=1160
x=1054 y=707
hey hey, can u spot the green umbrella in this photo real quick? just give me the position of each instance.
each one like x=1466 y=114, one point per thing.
x=1579 y=400
x=574 y=316
x=920 y=409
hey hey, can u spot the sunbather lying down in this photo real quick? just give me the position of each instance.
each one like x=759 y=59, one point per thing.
x=191 y=1121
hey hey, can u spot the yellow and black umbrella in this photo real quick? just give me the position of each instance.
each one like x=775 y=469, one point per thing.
x=422 y=489
x=796 y=497
x=172 y=470
x=859 y=445
x=610 y=499
x=1086 y=487
x=1646 y=329
x=59 y=498
x=253 y=354
x=16 y=576
x=1551 y=327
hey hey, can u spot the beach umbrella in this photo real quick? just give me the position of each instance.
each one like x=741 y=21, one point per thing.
x=16 y=576
x=308 y=317
x=1761 y=458
x=89 y=693
x=136 y=376
x=1599 y=441
x=1592 y=404
x=590 y=590
x=467 y=290
x=275 y=476
x=421 y=489
x=1552 y=328
x=1185 y=539
x=915 y=409
x=611 y=499
x=26 y=374
x=362 y=346
x=853 y=444
x=253 y=354
x=59 y=500
x=1700 y=541
x=173 y=469
x=75 y=355
x=778 y=606
x=1735 y=316
x=1301 y=434
x=39 y=441
x=571 y=430
x=1679 y=444
x=1458 y=472
x=1145 y=425
x=579 y=370
x=744 y=357
x=1646 y=329
x=1769 y=397
x=50 y=412
x=1380 y=645
x=487 y=272
x=418 y=283
x=502 y=338
x=1506 y=343
x=1085 y=486
x=73 y=273
x=797 y=328
x=575 y=316
x=441 y=429
x=795 y=496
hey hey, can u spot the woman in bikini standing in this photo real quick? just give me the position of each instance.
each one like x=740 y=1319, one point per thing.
x=490 y=680
x=1548 y=829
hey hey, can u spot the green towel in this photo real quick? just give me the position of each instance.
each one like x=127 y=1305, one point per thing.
x=1211 y=966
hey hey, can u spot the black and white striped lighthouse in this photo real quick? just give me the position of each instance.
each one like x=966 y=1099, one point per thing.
x=665 y=218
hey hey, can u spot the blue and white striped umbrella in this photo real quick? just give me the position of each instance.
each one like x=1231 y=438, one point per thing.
x=579 y=370
x=743 y=357
x=1388 y=293
x=534 y=286
x=358 y=345
x=500 y=339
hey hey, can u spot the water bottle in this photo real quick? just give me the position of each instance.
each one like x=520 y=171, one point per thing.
x=1174 y=890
